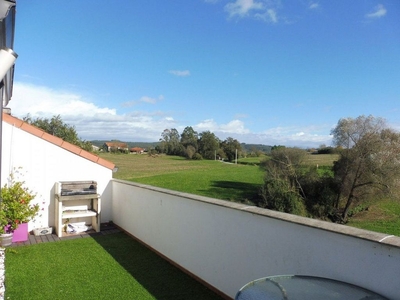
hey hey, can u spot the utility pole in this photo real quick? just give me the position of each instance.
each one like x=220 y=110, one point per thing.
x=236 y=157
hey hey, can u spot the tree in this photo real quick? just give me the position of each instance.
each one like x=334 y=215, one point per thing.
x=55 y=126
x=170 y=143
x=164 y=141
x=282 y=189
x=255 y=152
x=189 y=139
x=208 y=144
x=231 y=147
x=369 y=162
x=190 y=151
x=275 y=147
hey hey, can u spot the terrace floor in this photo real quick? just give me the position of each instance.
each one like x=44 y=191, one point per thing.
x=32 y=239
x=156 y=275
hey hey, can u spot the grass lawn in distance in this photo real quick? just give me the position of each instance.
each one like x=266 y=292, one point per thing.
x=382 y=216
x=252 y=160
x=112 y=266
x=234 y=182
x=321 y=159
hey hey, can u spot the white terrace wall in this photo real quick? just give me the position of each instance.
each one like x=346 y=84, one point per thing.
x=227 y=244
x=43 y=163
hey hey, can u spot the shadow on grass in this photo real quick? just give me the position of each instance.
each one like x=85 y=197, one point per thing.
x=234 y=191
x=156 y=275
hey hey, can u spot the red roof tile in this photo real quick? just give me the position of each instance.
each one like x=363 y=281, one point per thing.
x=56 y=141
x=116 y=144
x=136 y=149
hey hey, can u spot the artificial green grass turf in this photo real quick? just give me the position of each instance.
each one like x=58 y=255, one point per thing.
x=110 y=266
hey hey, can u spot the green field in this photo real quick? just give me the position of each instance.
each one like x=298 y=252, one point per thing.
x=312 y=159
x=251 y=160
x=234 y=182
x=322 y=159
x=382 y=216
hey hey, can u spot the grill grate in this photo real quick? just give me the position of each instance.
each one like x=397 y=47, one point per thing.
x=72 y=188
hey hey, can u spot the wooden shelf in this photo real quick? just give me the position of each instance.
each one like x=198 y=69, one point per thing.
x=78 y=214
x=77 y=197
x=62 y=213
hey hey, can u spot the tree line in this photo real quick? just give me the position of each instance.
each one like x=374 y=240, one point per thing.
x=194 y=145
x=56 y=126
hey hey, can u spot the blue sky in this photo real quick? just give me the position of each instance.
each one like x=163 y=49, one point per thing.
x=261 y=71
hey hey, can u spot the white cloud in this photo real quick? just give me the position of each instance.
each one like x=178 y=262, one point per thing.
x=378 y=12
x=309 y=136
x=151 y=100
x=242 y=7
x=270 y=15
x=93 y=122
x=205 y=125
x=43 y=101
x=264 y=10
x=183 y=73
x=234 y=126
x=269 y=11
x=289 y=136
x=145 y=99
x=90 y=120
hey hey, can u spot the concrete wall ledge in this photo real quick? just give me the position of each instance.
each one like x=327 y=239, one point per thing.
x=328 y=226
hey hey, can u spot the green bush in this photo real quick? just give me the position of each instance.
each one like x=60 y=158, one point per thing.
x=279 y=195
x=320 y=190
x=197 y=156
x=15 y=205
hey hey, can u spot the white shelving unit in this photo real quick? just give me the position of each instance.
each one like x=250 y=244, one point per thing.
x=71 y=208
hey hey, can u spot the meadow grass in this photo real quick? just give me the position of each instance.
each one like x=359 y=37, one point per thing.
x=321 y=159
x=227 y=181
x=252 y=160
x=382 y=216
x=216 y=179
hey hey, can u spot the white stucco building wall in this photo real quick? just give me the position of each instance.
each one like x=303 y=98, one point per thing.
x=45 y=159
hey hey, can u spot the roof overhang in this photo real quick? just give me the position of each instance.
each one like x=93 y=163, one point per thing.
x=7 y=30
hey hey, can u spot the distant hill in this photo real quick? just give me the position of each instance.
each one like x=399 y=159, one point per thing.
x=100 y=143
x=259 y=147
